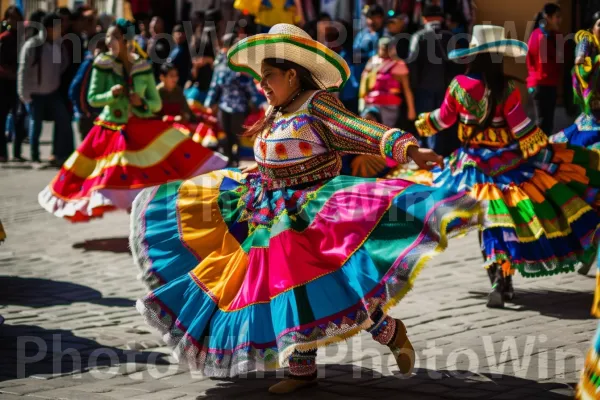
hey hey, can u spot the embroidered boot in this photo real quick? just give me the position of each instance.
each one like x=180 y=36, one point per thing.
x=496 y=295
x=392 y=332
x=303 y=373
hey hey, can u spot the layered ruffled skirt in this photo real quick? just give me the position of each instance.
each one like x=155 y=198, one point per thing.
x=540 y=215
x=114 y=163
x=585 y=132
x=245 y=276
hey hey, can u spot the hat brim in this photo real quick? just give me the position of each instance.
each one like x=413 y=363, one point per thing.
x=508 y=47
x=327 y=67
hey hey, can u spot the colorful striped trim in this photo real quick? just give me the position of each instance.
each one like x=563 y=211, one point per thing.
x=515 y=44
x=107 y=63
x=305 y=44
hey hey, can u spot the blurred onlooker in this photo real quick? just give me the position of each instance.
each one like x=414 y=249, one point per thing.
x=38 y=81
x=543 y=69
x=384 y=80
x=65 y=19
x=82 y=23
x=142 y=21
x=213 y=21
x=78 y=90
x=197 y=28
x=202 y=66
x=9 y=101
x=349 y=93
x=396 y=27
x=174 y=104
x=104 y=21
x=232 y=95
x=430 y=70
x=158 y=45
x=34 y=19
x=277 y=12
x=180 y=56
x=458 y=25
x=316 y=28
x=365 y=42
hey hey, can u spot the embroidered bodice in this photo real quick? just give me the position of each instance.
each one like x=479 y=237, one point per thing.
x=107 y=72
x=307 y=145
x=466 y=102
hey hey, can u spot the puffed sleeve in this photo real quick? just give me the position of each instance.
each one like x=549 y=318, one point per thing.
x=430 y=123
x=348 y=133
x=530 y=137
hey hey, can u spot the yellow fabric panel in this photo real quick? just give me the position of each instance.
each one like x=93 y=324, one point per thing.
x=224 y=262
x=152 y=154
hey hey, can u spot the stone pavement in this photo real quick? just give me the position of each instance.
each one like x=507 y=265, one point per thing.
x=72 y=332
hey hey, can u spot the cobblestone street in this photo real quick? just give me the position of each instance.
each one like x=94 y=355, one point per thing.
x=72 y=331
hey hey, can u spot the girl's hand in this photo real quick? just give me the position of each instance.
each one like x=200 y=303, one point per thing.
x=117 y=90
x=135 y=99
x=425 y=158
x=412 y=115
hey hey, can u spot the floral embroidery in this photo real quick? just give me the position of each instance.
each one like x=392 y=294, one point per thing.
x=306 y=149
x=281 y=151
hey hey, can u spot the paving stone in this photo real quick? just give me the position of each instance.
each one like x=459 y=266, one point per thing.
x=72 y=394
x=151 y=386
x=162 y=395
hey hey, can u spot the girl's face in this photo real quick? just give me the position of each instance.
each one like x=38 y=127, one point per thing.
x=170 y=80
x=114 y=40
x=553 y=22
x=278 y=85
x=596 y=29
x=383 y=51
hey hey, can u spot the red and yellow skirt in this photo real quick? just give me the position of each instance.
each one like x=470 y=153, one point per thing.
x=115 y=162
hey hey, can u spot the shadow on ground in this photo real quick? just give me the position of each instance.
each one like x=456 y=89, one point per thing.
x=112 y=245
x=347 y=381
x=36 y=292
x=32 y=351
x=551 y=303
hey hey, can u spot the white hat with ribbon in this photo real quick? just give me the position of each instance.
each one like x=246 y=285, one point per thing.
x=491 y=39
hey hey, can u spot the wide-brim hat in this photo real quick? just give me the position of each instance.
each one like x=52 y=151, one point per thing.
x=490 y=39
x=290 y=43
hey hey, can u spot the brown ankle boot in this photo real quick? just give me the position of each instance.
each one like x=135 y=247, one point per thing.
x=403 y=350
x=291 y=385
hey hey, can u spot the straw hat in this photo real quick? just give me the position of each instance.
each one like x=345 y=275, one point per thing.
x=491 y=39
x=288 y=42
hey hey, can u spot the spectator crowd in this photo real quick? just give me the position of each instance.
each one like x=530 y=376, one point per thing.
x=398 y=60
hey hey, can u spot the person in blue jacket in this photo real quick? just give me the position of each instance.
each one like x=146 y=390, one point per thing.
x=84 y=113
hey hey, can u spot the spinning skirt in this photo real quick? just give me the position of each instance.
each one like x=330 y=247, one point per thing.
x=114 y=163
x=250 y=275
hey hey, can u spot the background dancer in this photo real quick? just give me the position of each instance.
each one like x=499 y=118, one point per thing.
x=540 y=215
x=122 y=155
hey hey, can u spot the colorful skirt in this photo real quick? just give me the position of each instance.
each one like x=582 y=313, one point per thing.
x=585 y=132
x=249 y=275
x=540 y=215
x=114 y=163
